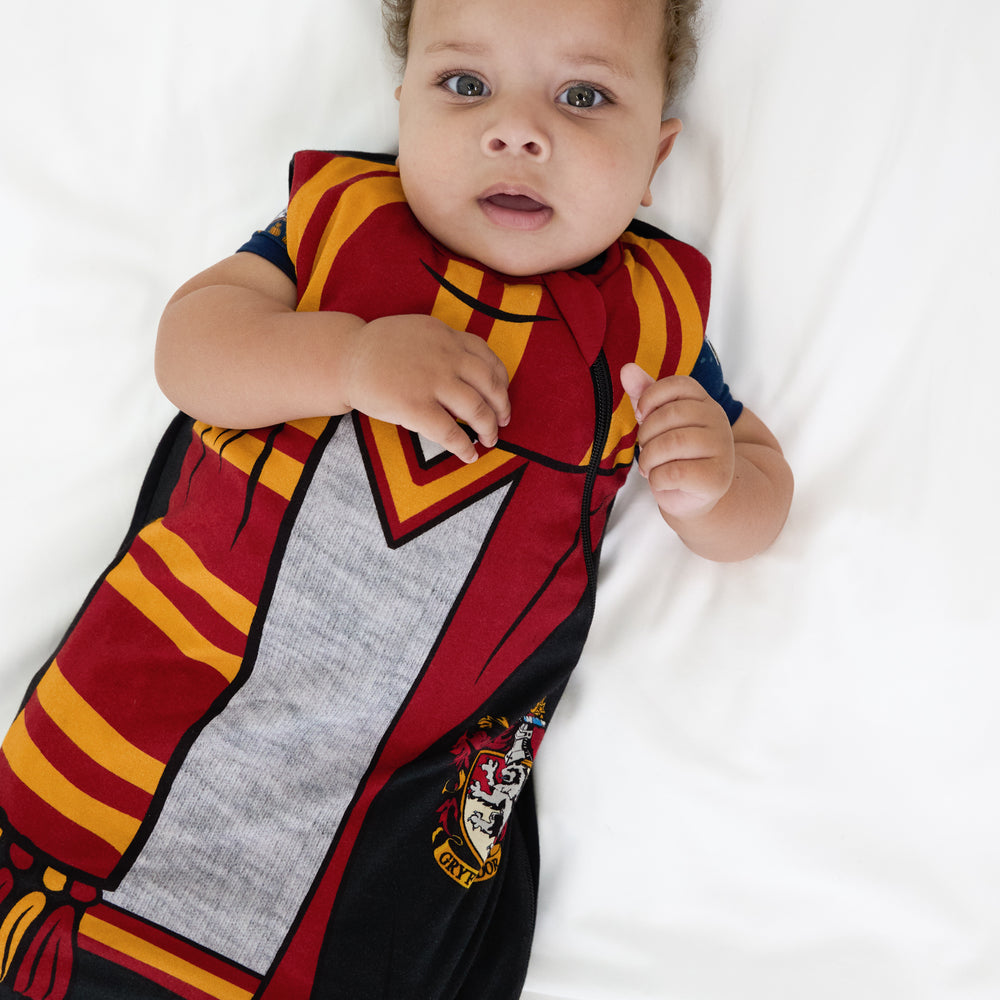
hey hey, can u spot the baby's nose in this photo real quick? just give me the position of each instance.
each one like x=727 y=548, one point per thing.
x=498 y=144
x=516 y=132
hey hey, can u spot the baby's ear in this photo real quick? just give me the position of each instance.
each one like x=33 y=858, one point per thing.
x=669 y=130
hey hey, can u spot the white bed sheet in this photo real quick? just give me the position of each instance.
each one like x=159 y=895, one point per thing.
x=768 y=781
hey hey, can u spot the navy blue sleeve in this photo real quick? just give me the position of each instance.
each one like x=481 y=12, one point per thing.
x=272 y=244
x=708 y=372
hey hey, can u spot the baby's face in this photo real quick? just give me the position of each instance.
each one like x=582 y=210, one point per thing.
x=530 y=131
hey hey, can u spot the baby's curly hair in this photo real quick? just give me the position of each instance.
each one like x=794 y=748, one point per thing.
x=680 y=39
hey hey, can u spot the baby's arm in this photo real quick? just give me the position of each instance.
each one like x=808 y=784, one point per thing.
x=232 y=351
x=725 y=490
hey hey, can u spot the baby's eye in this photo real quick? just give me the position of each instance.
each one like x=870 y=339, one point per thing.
x=466 y=85
x=580 y=95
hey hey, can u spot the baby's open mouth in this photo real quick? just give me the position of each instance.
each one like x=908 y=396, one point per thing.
x=516 y=202
x=515 y=210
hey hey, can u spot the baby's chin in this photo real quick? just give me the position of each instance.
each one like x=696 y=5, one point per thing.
x=523 y=264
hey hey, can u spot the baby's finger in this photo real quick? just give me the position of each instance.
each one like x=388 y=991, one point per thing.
x=692 y=483
x=668 y=390
x=683 y=444
x=487 y=375
x=635 y=381
x=441 y=427
x=675 y=417
x=466 y=403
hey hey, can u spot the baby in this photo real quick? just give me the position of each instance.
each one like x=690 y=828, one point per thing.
x=285 y=749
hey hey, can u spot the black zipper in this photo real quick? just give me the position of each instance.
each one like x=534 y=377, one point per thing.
x=600 y=376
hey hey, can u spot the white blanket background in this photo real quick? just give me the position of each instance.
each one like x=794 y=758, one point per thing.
x=769 y=781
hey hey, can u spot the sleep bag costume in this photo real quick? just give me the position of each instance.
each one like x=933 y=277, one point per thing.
x=278 y=753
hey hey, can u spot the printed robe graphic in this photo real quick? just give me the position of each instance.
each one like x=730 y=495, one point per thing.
x=244 y=752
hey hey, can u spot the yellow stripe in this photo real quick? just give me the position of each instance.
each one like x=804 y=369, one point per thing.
x=411 y=499
x=151 y=602
x=310 y=426
x=34 y=770
x=652 y=344
x=308 y=195
x=692 y=328
x=159 y=958
x=508 y=340
x=184 y=564
x=16 y=925
x=281 y=472
x=365 y=197
x=622 y=423
x=450 y=309
x=625 y=456
x=89 y=731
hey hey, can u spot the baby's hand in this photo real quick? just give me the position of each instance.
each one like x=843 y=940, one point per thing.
x=686 y=444
x=418 y=372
